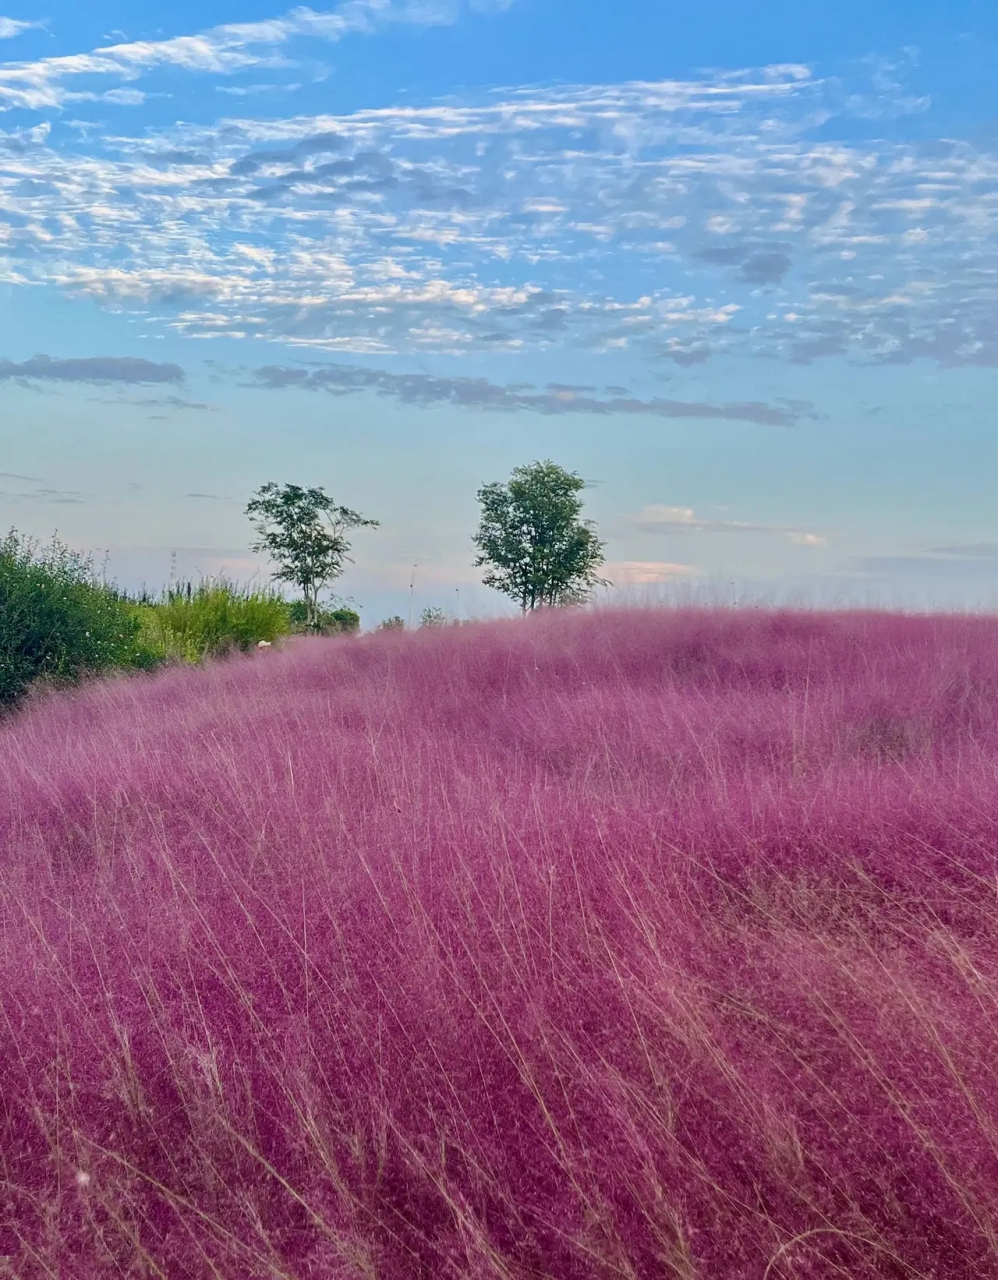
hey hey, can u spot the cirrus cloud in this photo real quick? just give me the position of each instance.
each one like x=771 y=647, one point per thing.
x=221 y=50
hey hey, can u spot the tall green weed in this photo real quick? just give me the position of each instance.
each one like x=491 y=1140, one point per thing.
x=191 y=622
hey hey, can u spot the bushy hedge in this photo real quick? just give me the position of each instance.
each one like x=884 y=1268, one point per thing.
x=329 y=621
x=57 y=621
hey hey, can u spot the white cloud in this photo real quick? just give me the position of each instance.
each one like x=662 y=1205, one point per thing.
x=656 y=518
x=11 y=27
x=646 y=572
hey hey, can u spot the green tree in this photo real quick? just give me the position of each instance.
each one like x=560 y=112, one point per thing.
x=305 y=534
x=537 y=549
x=433 y=616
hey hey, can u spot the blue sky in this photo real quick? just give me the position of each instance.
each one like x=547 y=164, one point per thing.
x=735 y=264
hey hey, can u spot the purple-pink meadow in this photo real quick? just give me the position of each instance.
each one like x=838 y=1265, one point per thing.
x=629 y=944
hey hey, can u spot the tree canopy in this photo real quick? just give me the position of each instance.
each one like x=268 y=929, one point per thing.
x=536 y=548
x=305 y=534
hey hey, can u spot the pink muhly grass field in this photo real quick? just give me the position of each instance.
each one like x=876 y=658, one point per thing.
x=630 y=944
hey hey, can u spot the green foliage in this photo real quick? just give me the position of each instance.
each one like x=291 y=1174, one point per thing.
x=304 y=533
x=57 y=621
x=433 y=616
x=341 y=621
x=537 y=550
x=346 y=620
x=190 y=623
x=394 y=623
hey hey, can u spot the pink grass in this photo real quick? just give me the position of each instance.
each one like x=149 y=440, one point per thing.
x=629 y=945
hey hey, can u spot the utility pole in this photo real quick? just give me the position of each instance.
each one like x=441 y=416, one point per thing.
x=412 y=593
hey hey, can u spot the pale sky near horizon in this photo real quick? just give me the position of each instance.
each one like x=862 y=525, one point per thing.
x=734 y=264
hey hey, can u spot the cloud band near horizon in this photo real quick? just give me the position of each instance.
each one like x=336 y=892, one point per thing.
x=425 y=390
x=98 y=370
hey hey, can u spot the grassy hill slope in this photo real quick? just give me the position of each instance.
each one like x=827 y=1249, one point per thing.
x=626 y=945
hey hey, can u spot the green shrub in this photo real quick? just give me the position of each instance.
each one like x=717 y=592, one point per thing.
x=328 y=621
x=347 y=620
x=57 y=621
x=190 y=623
x=394 y=623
